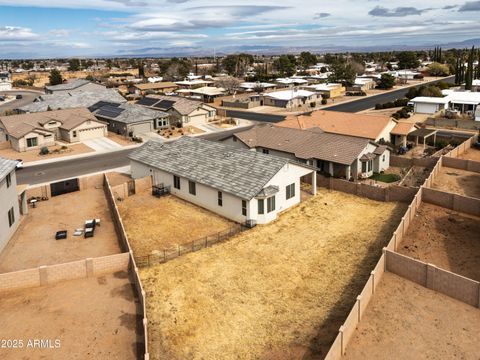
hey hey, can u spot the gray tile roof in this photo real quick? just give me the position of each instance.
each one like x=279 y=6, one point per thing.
x=183 y=105
x=6 y=167
x=305 y=144
x=68 y=85
x=240 y=172
x=72 y=100
x=134 y=114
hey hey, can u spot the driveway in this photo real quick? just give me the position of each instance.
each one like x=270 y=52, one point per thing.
x=27 y=98
x=102 y=144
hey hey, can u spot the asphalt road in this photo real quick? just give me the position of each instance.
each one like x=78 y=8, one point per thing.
x=65 y=169
x=27 y=98
x=369 y=102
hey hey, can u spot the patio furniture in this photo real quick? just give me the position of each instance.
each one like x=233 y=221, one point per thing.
x=61 y=235
x=33 y=202
x=89 y=232
x=78 y=232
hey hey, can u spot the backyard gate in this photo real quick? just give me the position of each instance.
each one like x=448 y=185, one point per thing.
x=64 y=187
x=131 y=187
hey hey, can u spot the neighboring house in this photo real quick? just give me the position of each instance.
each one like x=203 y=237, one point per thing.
x=291 y=98
x=374 y=127
x=5 y=82
x=242 y=185
x=330 y=90
x=75 y=99
x=336 y=155
x=74 y=85
x=36 y=130
x=182 y=111
x=157 y=87
x=291 y=81
x=429 y=105
x=362 y=84
x=400 y=133
x=9 y=204
x=251 y=86
x=193 y=84
x=129 y=119
x=207 y=94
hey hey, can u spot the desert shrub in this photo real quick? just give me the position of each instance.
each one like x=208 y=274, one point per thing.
x=44 y=151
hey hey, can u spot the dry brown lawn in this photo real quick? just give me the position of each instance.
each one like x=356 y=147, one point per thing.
x=407 y=321
x=278 y=291
x=155 y=223
x=34 y=155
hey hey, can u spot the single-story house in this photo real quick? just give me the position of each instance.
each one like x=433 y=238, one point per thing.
x=75 y=99
x=242 y=185
x=331 y=90
x=193 y=84
x=251 y=86
x=336 y=155
x=401 y=131
x=10 y=210
x=429 y=105
x=157 y=87
x=74 y=85
x=129 y=119
x=293 y=81
x=5 y=81
x=182 y=111
x=36 y=130
x=374 y=127
x=207 y=94
x=362 y=84
x=291 y=98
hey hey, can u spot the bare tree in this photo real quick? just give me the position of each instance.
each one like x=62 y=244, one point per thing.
x=230 y=84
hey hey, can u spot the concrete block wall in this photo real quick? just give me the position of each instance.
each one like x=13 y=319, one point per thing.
x=452 y=201
x=51 y=274
x=463 y=164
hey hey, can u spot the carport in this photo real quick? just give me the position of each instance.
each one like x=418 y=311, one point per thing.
x=424 y=134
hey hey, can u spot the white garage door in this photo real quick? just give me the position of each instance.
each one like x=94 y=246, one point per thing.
x=423 y=108
x=198 y=119
x=94 y=133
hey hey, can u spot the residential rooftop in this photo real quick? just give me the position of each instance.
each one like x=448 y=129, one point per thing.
x=71 y=85
x=6 y=167
x=289 y=94
x=126 y=113
x=240 y=172
x=163 y=102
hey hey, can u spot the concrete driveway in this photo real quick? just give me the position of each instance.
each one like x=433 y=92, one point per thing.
x=102 y=144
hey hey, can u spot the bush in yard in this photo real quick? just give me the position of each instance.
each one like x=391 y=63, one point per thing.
x=324 y=101
x=44 y=151
x=64 y=147
x=387 y=81
x=313 y=104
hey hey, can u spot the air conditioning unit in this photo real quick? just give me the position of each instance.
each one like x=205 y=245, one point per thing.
x=251 y=223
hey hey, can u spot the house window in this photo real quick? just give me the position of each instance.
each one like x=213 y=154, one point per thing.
x=369 y=165
x=9 y=180
x=290 y=189
x=176 y=182
x=266 y=151
x=220 y=199
x=261 y=207
x=244 y=207
x=383 y=158
x=364 y=167
x=32 y=142
x=11 y=217
x=74 y=133
x=192 y=188
x=270 y=204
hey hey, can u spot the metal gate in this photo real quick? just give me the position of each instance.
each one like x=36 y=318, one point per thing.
x=64 y=187
x=131 y=188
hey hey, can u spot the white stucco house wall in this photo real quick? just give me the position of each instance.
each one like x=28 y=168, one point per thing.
x=241 y=185
x=9 y=204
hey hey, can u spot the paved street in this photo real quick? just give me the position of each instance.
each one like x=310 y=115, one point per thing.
x=28 y=97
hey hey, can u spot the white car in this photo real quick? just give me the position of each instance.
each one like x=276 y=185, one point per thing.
x=19 y=164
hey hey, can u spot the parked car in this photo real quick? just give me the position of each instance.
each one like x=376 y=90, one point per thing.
x=19 y=96
x=19 y=164
x=2 y=98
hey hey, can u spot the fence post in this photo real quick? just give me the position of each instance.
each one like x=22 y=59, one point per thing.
x=342 y=343
x=359 y=299
x=372 y=273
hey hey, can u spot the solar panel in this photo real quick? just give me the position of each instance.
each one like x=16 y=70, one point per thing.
x=147 y=101
x=164 y=104
x=101 y=104
x=110 y=111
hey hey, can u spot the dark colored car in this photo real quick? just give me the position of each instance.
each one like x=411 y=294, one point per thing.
x=19 y=97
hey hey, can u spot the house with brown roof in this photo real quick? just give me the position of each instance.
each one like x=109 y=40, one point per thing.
x=159 y=87
x=337 y=155
x=372 y=127
x=400 y=132
x=35 y=130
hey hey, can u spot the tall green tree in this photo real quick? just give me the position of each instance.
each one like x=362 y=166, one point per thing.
x=74 y=64
x=469 y=72
x=407 y=60
x=387 y=81
x=285 y=65
x=307 y=59
x=55 y=77
x=237 y=65
x=342 y=72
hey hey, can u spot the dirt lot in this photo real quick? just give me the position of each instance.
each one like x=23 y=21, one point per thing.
x=34 y=242
x=404 y=320
x=471 y=154
x=33 y=155
x=160 y=223
x=94 y=318
x=117 y=178
x=458 y=181
x=278 y=291
x=119 y=139
x=417 y=176
x=445 y=238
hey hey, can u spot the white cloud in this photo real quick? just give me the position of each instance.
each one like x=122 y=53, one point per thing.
x=14 y=33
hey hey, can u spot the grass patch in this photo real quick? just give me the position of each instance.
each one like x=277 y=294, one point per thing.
x=386 y=178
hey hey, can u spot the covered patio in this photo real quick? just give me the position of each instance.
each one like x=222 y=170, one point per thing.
x=423 y=134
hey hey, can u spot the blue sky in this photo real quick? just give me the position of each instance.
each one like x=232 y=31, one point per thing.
x=59 y=28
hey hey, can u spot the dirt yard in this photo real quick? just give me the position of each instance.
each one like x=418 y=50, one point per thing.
x=94 y=318
x=117 y=178
x=34 y=242
x=404 y=320
x=458 y=181
x=155 y=223
x=445 y=238
x=55 y=152
x=119 y=139
x=417 y=176
x=471 y=154
x=278 y=291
